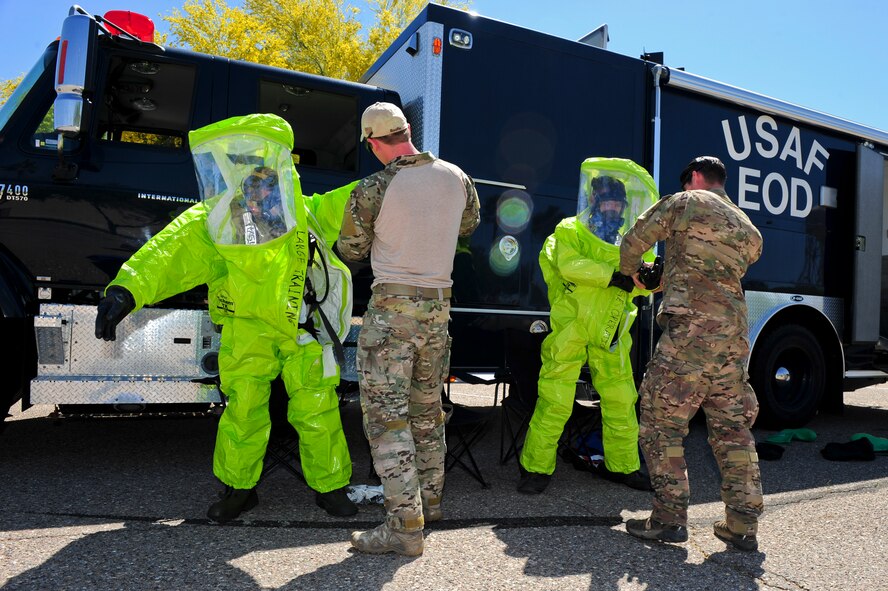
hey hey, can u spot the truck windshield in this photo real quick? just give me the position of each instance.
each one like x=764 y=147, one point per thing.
x=27 y=83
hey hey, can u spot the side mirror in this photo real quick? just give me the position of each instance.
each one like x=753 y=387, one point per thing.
x=74 y=71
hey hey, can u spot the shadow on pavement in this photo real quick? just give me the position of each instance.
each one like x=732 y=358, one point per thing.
x=127 y=499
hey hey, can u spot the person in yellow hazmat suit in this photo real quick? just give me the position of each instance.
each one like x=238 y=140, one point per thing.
x=592 y=311
x=281 y=295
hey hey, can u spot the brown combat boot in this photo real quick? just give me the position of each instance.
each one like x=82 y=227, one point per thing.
x=383 y=539
x=651 y=529
x=745 y=542
x=432 y=513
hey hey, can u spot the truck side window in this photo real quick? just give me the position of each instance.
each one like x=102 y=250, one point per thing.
x=45 y=137
x=146 y=102
x=325 y=124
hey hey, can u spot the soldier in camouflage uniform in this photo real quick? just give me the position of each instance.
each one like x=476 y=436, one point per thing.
x=408 y=217
x=701 y=357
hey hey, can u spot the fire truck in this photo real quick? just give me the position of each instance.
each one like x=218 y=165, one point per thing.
x=94 y=160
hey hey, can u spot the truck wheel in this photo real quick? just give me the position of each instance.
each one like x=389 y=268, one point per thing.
x=789 y=375
x=14 y=363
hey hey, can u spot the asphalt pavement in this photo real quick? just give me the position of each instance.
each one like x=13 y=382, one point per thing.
x=120 y=503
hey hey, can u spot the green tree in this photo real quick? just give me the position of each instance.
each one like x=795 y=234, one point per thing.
x=7 y=87
x=321 y=37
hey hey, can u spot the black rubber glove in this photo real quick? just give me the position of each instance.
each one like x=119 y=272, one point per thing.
x=117 y=303
x=650 y=276
x=624 y=282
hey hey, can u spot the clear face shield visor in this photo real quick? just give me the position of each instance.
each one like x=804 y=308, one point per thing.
x=610 y=201
x=247 y=184
x=262 y=193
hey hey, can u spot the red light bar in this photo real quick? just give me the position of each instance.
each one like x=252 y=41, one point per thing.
x=137 y=25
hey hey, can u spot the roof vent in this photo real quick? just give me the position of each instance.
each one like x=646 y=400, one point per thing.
x=596 y=37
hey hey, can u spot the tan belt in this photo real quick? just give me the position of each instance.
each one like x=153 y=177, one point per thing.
x=426 y=293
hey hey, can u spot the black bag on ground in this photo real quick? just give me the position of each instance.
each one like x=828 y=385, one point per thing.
x=859 y=449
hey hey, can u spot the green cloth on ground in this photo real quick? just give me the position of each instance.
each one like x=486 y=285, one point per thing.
x=880 y=444
x=787 y=435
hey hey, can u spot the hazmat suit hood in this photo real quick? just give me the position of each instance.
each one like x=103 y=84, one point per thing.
x=255 y=215
x=247 y=180
x=613 y=193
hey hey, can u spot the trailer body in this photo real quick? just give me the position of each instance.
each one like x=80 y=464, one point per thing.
x=74 y=206
x=520 y=110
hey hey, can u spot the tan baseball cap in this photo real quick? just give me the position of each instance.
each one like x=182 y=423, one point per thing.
x=381 y=119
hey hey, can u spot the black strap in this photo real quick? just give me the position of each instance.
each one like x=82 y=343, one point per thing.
x=310 y=296
x=314 y=303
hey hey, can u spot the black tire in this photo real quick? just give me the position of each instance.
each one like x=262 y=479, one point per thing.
x=789 y=375
x=16 y=361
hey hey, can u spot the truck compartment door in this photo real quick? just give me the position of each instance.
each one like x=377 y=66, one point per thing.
x=883 y=319
x=868 y=246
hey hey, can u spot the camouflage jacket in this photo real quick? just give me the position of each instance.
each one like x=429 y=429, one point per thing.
x=710 y=243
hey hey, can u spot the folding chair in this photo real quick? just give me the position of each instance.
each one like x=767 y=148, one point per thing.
x=466 y=425
x=515 y=412
x=585 y=419
x=282 y=450
x=517 y=406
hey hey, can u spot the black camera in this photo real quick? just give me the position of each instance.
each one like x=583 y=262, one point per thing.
x=650 y=276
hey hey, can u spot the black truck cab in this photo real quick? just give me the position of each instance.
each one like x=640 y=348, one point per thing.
x=75 y=205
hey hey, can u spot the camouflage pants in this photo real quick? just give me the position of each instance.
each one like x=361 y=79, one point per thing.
x=699 y=363
x=403 y=356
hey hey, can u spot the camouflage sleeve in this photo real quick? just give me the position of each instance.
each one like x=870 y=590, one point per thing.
x=471 y=216
x=364 y=202
x=756 y=243
x=652 y=226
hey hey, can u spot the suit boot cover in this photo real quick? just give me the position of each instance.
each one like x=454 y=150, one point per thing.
x=532 y=483
x=383 y=539
x=336 y=503
x=233 y=502
x=636 y=479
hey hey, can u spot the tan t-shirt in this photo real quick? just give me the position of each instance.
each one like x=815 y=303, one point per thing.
x=409 y=216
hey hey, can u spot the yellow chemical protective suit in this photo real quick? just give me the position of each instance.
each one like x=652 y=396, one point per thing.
x=256 y=263
x=590 y=319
